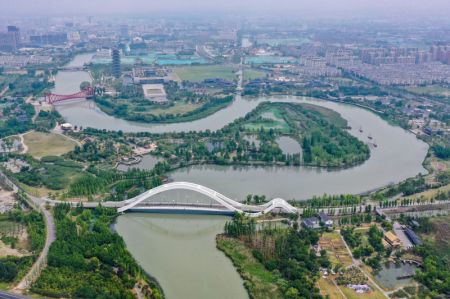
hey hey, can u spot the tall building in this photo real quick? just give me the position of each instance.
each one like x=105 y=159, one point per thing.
x=9 y=41
x=116 y=71
x=15 y=31
x=56 y=38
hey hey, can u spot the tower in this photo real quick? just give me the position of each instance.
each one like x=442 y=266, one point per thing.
x=116 y=71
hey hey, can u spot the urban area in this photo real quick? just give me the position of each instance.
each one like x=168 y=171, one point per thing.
x=224 y=156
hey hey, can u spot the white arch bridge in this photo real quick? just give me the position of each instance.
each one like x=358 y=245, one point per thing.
x=219 y=203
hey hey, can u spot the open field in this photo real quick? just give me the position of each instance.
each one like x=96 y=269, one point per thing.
x=430 y=90
x=336 y=250
x=351 y=294
x=177 y=108
x=268 y=119
x=327 y=287
x=15 y=232
x=250 y=74
x=199 y=73
x=47 y=144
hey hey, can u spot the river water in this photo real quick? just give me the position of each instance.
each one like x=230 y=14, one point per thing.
x=179 y=250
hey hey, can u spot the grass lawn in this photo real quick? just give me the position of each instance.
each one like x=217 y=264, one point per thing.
x=250 y=74
x=270 y=119
x=199 y=73
x=431 y=90
x=177 y=108
x=327 y=287
x=47 y=144
x=259 y=282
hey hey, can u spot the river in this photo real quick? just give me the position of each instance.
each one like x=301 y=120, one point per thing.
x=179 y=250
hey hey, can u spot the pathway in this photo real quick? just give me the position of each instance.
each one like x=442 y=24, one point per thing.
x=357 y=263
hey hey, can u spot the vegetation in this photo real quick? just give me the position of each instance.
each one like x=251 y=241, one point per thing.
x=13 y=268
x=199 y=73
x=16 y=118
x=284 y=251
x=88 y=260
x=325 y=142
x=131 y=105
x=435 y=252
x=51 y=172
x=41 y=144
x=259 y=282
x=442 y=152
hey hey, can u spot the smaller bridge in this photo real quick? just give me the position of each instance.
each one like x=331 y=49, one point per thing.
x=52 y=98
x=72 y=68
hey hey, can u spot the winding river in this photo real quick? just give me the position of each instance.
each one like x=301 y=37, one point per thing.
x=175 y=249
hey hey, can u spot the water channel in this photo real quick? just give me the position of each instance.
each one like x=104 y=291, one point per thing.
x=179 y=250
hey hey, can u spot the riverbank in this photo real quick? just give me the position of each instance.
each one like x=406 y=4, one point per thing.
x=259 y=282
x=207 y=109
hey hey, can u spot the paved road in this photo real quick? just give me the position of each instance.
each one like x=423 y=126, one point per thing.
x=42 y=259
x=5 y=295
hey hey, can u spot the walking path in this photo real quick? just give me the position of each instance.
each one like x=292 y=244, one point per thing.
x=357 y=263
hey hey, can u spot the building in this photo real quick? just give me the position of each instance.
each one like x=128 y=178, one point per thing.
x=317 y=222
x=10 y=40
x=116 y=70
x=415 y=240
x=312 y=222
x=325 y=219
x=392 y=239
x=56 y=38
x=15 y=32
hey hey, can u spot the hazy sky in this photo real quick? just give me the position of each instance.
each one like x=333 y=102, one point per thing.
x=312 y=8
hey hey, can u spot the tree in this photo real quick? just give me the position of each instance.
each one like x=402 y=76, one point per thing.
x=8 y=271
x=84 y=85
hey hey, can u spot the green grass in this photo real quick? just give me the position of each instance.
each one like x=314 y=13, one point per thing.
x=267 y=123
x=430 y=90
x=199 y=73
x=177 y=108
x=259 y=282
x=251 y=74
x=47 y=144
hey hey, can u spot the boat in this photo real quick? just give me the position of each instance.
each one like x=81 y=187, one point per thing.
x=370 y=137
x=360 y=130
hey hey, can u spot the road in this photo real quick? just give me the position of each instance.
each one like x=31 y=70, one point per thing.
x=6 y=295
x=42 y=259
x=33 y=273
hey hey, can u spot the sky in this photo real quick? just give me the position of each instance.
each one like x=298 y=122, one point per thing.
x=314 y=8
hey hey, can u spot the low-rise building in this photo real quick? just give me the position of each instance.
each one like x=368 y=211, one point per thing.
x=392 y=239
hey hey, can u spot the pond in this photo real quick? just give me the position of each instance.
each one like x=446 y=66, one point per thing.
x=390 y=276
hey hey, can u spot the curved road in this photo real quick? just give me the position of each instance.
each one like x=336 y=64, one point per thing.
x=37 y=204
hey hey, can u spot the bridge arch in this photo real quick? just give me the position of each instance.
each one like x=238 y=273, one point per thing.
x=224 y=201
